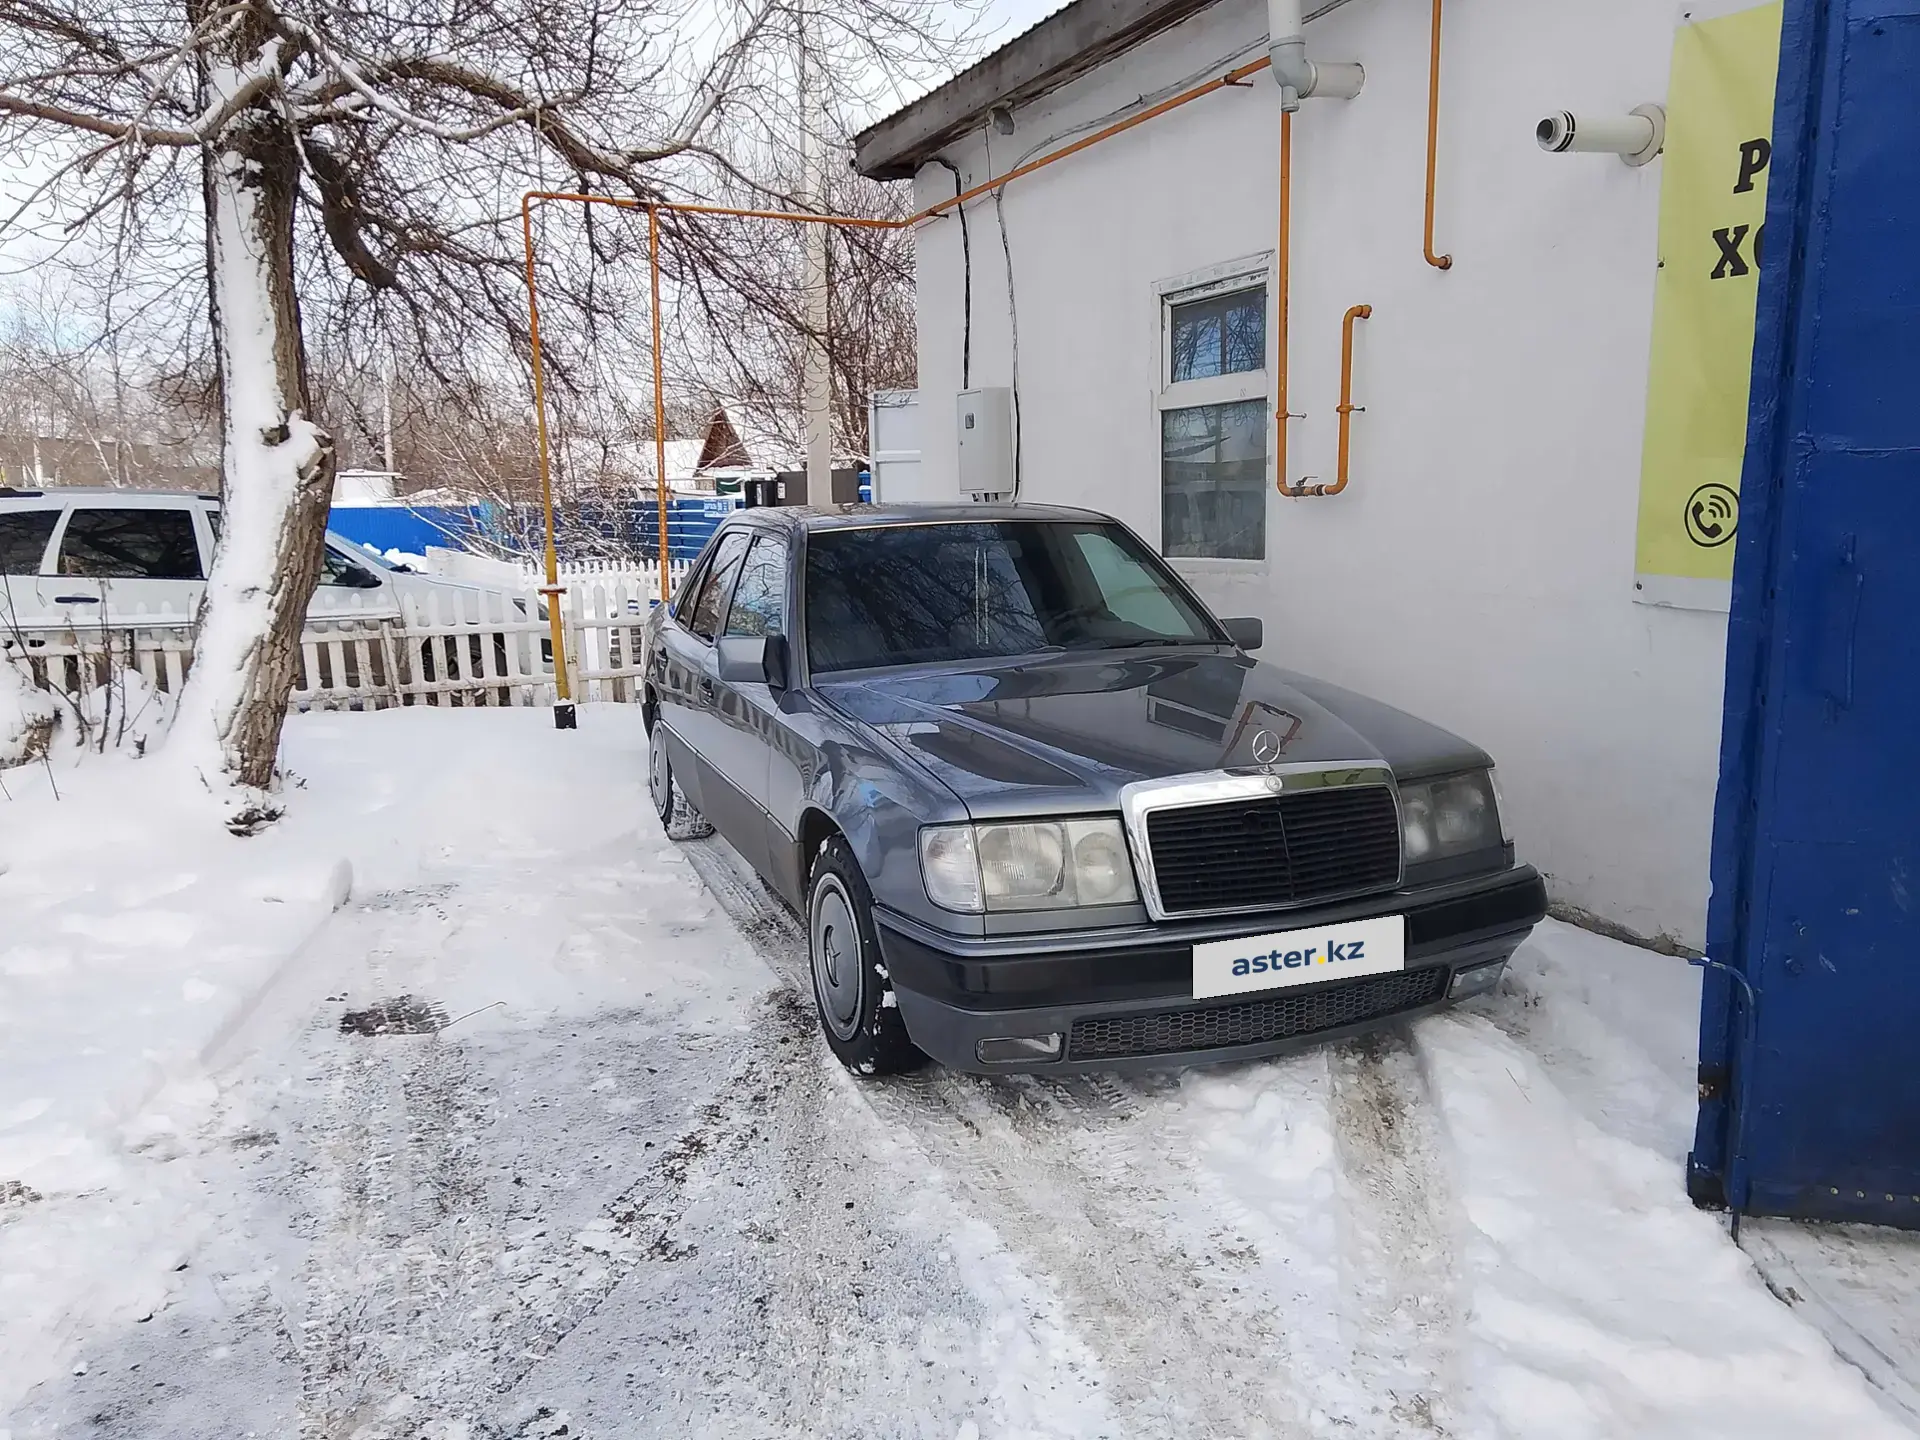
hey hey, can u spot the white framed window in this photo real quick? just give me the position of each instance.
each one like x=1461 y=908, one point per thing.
x=1213 y=404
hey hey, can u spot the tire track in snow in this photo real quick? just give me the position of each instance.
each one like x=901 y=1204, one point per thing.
x=1397 y=1256
x=872 y=1310
x=773 y=1263
x=1183 y=1351
x=428 y=1299
x=1324 y=1170
x=404 y=1243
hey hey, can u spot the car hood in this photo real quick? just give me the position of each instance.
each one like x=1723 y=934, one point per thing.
x=419 y=583
x=1067 y=732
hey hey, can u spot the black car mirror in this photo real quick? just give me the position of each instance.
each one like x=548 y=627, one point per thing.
x=1246 y=632
x=358 y=577
x=777 y=667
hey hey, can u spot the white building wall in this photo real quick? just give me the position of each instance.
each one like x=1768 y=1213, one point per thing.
x=1479 y=569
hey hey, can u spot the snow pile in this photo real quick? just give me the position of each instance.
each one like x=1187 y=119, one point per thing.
x=139 y=937
x=478 y=569
x=1604 y=1304
x=26 y=717
x=1490 y=1228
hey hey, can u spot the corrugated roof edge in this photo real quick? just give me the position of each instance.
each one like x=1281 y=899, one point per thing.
x=1066 y=44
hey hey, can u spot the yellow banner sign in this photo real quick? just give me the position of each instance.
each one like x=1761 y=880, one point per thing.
x=1713 y=202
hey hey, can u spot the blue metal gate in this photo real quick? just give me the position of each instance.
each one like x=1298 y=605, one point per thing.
x=1809 y=1086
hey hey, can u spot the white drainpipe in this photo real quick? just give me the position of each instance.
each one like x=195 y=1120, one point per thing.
x=1298 y=77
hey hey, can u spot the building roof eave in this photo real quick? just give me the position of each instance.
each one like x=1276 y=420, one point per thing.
x=1058 y=49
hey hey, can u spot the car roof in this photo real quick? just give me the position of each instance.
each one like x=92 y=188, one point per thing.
x=132 y=499
x=814 y=518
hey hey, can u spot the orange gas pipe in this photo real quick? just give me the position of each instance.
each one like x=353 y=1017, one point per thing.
x=1439 y=262
x=659 y=400
x=1221 y=82
x=1346 y=406
x=553 y=590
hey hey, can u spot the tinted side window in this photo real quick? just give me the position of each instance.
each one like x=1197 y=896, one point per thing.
x=23 y=540
x=704 y=621
x=340 y=569
x=760 y=599
x=130 y=545
x=681 y=605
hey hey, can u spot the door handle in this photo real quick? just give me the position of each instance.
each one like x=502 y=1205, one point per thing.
x=76 y=599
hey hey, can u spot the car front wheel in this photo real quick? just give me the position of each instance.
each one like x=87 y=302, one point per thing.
x=851 y=990
x=679 y=819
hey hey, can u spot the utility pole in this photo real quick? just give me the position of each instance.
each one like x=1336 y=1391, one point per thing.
x=386 y=413
x=816 y=377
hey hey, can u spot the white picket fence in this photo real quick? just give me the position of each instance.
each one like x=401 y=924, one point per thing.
x=643 y=577
x=451 y=650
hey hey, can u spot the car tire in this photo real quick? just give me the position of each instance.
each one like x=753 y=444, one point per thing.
x=678 y=818
x=851 y=990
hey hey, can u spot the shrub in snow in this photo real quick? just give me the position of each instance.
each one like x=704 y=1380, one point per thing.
x=126 y=713
x=27 y=717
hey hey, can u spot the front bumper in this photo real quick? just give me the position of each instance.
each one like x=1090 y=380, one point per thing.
x=1123 y=998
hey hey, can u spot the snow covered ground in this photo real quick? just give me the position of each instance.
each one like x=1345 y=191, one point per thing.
x=463 y=1104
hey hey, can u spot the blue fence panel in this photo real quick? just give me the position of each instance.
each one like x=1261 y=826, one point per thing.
x=598 y=529
x=398 y=527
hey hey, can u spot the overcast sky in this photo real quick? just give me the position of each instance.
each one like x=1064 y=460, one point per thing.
x=1017 y=15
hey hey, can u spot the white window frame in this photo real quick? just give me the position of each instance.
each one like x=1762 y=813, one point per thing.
x=1221 y=279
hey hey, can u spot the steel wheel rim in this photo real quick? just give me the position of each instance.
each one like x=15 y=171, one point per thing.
x=660 y=779
x=836 y=956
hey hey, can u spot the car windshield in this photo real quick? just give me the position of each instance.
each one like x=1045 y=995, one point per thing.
x=363 y=556
x=914 y=594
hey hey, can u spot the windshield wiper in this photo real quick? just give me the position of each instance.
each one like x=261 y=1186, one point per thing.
x=1145 y=643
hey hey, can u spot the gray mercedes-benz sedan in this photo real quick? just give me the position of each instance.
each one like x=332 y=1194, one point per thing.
x=1041 y=811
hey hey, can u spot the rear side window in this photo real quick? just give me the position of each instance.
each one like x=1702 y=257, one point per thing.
x=705 y=619
x=130 y=545
x=23 y=540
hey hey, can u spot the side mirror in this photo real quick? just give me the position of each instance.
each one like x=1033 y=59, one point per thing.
x=1246 y=632
x=358 y=577
x=753 y=660
x=779 y=664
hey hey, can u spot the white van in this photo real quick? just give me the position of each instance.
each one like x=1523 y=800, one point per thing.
x=80 y=559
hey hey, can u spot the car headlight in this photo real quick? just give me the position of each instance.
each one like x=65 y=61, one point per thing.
x=1027 y=865
x=1455 y=816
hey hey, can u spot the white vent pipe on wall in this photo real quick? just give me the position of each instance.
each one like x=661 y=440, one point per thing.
x=1298 y=77
x=1635 y=138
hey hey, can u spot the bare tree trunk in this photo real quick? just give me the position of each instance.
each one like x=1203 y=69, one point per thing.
x=277 y=468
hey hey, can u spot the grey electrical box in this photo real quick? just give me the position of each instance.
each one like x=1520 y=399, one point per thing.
x=985 y=425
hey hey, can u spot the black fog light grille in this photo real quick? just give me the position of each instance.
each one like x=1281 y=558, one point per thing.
x=1251 y=1022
